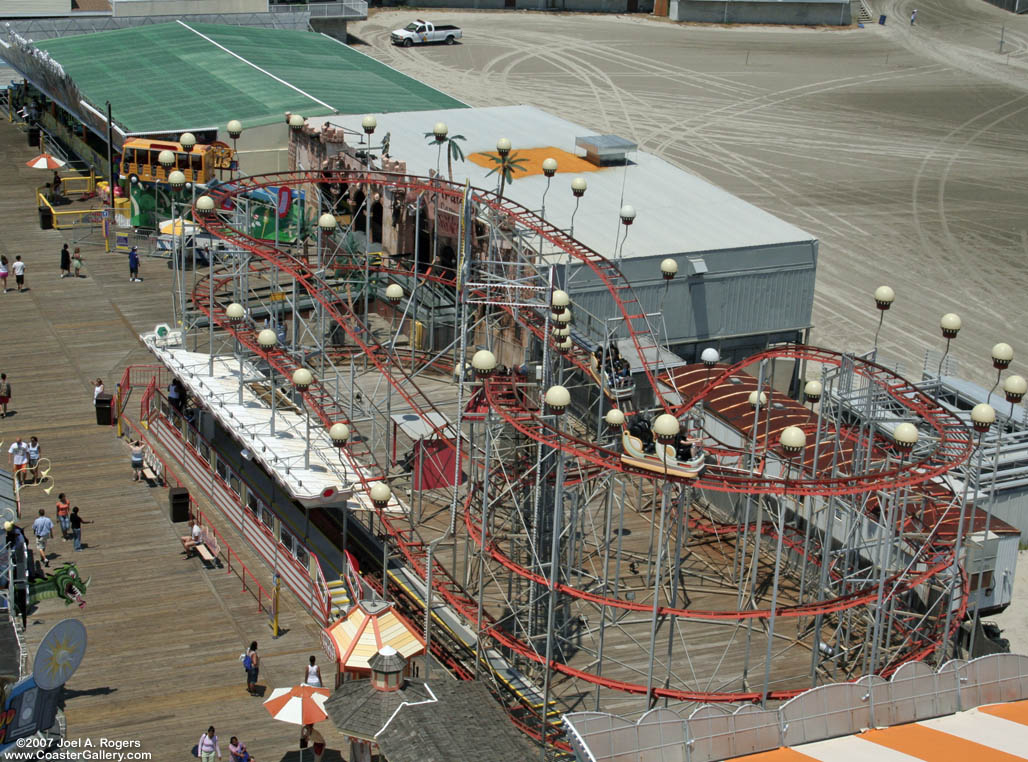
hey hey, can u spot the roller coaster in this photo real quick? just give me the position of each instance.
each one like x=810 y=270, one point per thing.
x=604 y=569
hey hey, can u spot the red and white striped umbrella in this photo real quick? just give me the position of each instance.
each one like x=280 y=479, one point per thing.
x=300 y=705
x=45 y=161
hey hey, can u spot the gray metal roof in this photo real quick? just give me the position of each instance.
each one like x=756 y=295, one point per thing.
x=677 y=212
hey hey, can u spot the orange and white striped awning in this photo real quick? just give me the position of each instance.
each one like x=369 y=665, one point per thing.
x=995 y=733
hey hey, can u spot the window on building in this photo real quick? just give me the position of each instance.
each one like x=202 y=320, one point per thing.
x=233 y=483
x=222 y=469
x=203 y=450
x=267 y=517
x=288 y=541
x=301 y=554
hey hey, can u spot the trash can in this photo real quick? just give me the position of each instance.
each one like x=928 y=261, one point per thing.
x=33 y=137
x=46 y=218
x=104 y=409
x=881 y=19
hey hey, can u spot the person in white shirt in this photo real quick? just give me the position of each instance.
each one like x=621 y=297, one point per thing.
x=19 y=273
x=19 y=457
x=43 y=528
x=313 y=676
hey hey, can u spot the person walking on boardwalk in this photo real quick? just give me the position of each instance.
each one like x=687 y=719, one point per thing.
x=4 y=272
x=254 y=670
x=43 y=529
x=5 y=393
x=134 y=265
x=65 y=262
x=34 y=453
x=208 y=746
x=136 y=458
x=76 y=262
x=76 y=522
x=18 y=454
x=64 y=515
x=913 y=16
x=19 y=273
x=312 y=675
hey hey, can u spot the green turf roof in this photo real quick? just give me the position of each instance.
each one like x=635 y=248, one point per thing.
x=171 y=77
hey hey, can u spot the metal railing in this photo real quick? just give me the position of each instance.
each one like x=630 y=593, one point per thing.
x=351 y=9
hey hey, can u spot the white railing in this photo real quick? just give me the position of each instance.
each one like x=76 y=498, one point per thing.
x=349 y=9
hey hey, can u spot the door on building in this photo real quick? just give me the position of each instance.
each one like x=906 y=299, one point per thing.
x=633 y=6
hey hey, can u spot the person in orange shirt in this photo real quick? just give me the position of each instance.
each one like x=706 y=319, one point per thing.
x=64 y=515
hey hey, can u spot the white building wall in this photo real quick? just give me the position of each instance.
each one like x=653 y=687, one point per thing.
x=124 y=8
x=34 y=7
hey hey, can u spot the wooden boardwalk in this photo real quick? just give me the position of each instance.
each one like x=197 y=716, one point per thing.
x=164 y=633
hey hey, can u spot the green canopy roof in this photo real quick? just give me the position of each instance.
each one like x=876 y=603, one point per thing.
x=177 y=76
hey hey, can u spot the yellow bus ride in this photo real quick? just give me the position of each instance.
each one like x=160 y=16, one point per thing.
x=139 y=159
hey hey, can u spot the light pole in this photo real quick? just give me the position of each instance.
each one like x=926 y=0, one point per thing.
x=380 y=495
x=665 y=430
x=439 y=131
x=549 y=170
x=267 y=340
x=503 y=150
x=905 y=436
x=578 y=188
x=368 y=123
x=234 y=129
x=792 y=439
x=235 y=313
x=884 y=297
x=484 y=364
x=627 y=214
x=950 y=325
x=1002 y=356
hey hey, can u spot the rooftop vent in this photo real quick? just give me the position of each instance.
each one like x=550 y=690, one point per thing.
x=605 y=149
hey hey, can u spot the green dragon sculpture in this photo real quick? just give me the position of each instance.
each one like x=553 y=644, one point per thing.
x=65 y=583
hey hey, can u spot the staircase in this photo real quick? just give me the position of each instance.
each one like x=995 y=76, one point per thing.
x=339 y=602
x=864 y=15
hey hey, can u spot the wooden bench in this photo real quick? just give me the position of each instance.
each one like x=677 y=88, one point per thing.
x=208 y=549
x=153 y=469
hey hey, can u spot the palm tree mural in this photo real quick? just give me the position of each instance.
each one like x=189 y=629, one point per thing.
x=506 y=163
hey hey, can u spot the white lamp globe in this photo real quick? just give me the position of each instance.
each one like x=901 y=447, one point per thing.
x=756 y=398
x=710 y=357
x=564 y=317
x=205 y=205
x=302 y=378
x=793 y=440
x=627 y=214
x=549 y=167
x=614 y=418
x=669 y=268
x=339 y=433
x=982 y=417
x=1002 y=355
x=166 y=158
x=578 y=187
x=905 y=436
x=559 y=301
x=234 y=129
x=295 y=121
x=557 y=399
x=884 y=297
x=267 y=338
x=440 y=130
x=394 y=293
x=561 y=332
x=327 y=222
x=369 y=123
x=1015 y=387
x=812 y=391
x=380 y=494
x=666 y=428
x=187 y=141
x=235 y=312
x=503 y=146
x=564 y=346
x=484 y=362
x=950 y=325
x=176 y=179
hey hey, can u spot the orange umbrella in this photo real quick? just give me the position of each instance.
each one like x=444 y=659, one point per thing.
x=45 y=161
x=300 y=705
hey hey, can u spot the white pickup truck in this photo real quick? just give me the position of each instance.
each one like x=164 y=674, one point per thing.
x=421 y=32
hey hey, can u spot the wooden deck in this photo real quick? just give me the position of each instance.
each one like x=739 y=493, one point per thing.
x=164 y=633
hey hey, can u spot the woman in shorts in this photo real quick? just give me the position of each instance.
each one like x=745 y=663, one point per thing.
x=76 y=262
x=34 y=450
x=4 y=272
x=137 y=460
